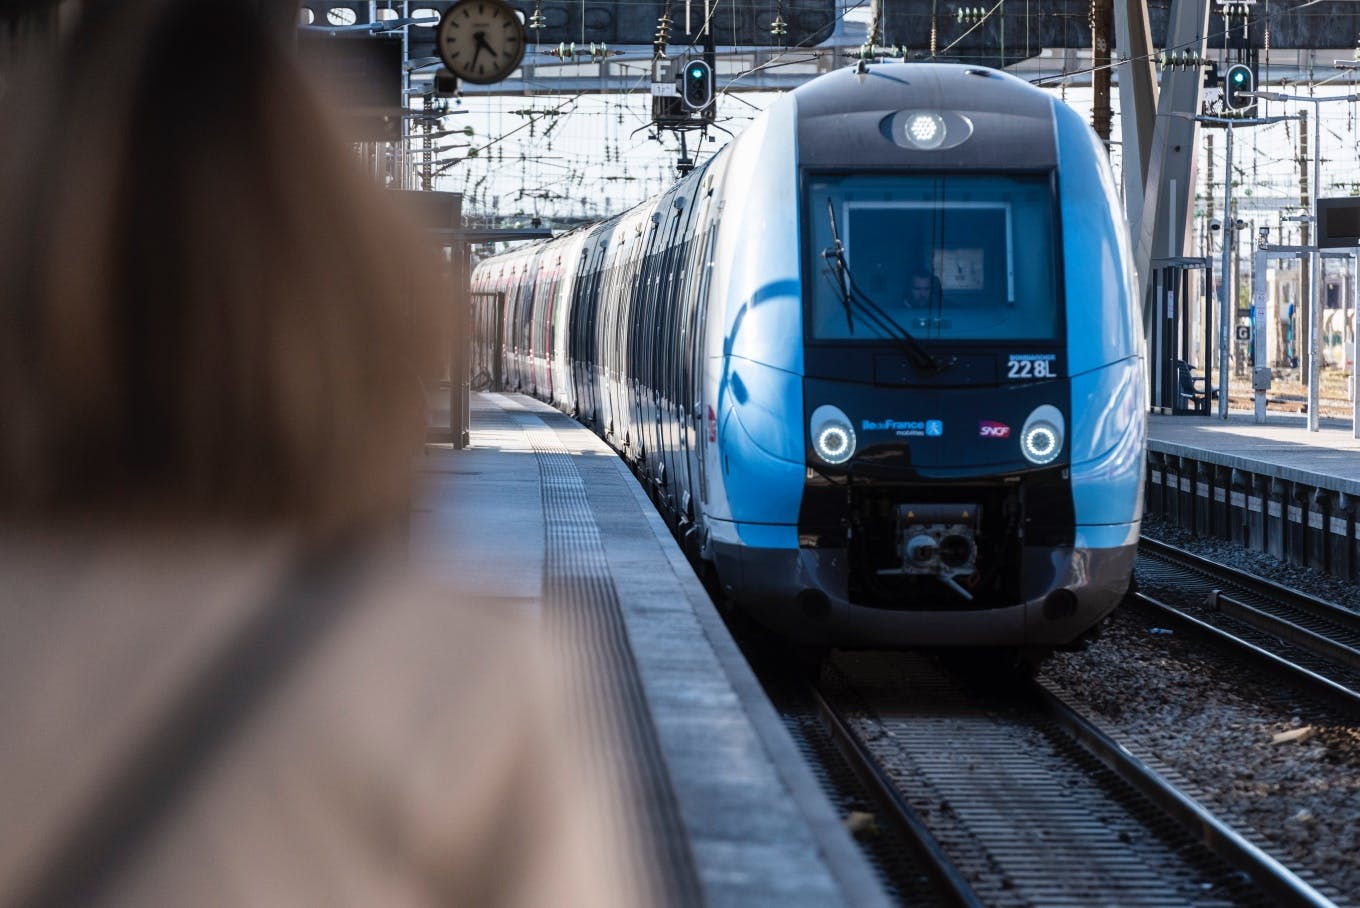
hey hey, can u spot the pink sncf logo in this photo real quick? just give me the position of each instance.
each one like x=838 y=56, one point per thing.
x=989 y=429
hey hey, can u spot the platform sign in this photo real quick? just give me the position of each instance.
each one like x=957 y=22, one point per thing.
x=1339 y=222
x=364 y=73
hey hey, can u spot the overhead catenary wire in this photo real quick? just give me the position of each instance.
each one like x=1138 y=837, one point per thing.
x=574 y=132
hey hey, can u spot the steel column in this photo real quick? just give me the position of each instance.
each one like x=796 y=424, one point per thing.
x=1161 y=228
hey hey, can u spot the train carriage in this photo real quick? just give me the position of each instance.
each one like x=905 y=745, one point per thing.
x=878 y=361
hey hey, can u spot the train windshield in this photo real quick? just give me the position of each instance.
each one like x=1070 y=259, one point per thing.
x=944 y=256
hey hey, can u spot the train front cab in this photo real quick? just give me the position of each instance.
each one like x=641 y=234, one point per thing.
x=991 y=493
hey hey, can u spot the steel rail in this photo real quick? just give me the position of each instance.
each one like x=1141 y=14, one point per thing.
x=1324 y=688
x=1322 y=629
x=1310 y=605
x=1280 y=883
x=1285 y=629
x=866 y=768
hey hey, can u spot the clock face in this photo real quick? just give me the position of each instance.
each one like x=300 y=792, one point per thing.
x=480 y=41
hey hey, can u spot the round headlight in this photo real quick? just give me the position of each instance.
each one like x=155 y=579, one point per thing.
x=833 y=437
x=925 y=130
x=1041 y=439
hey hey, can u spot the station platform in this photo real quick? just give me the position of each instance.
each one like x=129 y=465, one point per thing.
x=1273 y=486
x=538 y=513
x=1282 y=447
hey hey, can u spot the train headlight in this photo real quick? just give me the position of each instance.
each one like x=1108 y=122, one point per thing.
x=833 y=436
x=1041 y=439
x=925 y=130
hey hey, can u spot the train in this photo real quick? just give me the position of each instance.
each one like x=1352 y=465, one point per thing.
x=879 y=361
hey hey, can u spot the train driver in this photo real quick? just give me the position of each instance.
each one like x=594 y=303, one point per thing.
x=923 y=290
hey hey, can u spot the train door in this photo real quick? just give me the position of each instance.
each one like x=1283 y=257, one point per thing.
x=641 y=345
x=520 y=349
x=682 y=333
x=691 y=255
x=630 y=257
x=611 y=331
x=513 y=313
x=569 y=276
x=702 y=420
x=589 y=389
x=549 y=275
x=658 y=342
x=671 y=352
x=524 y=331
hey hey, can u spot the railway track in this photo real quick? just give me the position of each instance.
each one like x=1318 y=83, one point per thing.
x=1313 y=643
x=1011 y=797
x=1014 y=798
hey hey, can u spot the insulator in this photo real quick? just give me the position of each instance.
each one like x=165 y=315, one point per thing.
x=779 y=27
x=536 y=21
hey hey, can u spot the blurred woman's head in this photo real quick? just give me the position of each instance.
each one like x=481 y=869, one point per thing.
x=208 y=312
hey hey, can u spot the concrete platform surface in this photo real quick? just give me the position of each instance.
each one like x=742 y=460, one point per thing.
x=1282 y=447
x=759 y=828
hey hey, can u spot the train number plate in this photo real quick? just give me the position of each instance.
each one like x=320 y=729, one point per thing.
x=1021 y=366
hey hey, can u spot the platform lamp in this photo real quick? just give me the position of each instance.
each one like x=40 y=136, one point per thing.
x=1315 y=252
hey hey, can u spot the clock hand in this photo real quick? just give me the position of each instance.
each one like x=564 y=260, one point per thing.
x=480 y=38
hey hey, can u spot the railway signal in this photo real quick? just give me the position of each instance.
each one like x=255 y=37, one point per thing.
x=697 y=85
x=1238 y=84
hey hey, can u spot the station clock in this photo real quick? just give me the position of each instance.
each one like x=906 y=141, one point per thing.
x=480 y=41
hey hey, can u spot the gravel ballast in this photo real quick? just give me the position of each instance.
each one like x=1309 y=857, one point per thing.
x=1262 y=757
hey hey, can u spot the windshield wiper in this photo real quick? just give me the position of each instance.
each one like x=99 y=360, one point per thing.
x=836 y=255
x=852 y=298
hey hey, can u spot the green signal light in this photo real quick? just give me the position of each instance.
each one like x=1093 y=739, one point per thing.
x=696 y=73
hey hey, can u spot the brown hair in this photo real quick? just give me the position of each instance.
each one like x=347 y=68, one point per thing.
x=207 y=309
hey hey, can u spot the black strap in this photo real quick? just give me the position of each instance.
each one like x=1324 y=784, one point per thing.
x=199 y=722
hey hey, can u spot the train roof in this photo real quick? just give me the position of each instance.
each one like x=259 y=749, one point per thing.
x=841 y=117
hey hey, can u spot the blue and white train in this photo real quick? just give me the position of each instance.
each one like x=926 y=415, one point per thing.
x=879 y=361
